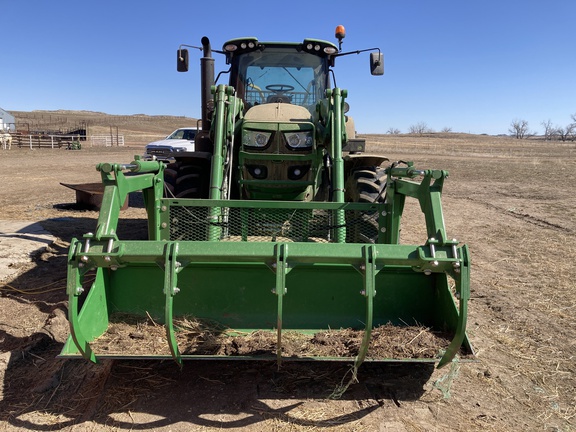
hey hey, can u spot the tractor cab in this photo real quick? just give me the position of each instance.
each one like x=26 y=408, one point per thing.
x=280 y=85
x=264 y=73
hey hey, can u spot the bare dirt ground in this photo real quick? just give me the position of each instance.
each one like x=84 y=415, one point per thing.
x=511 y=201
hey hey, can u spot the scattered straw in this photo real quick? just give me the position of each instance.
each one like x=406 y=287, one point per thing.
x=132 y=335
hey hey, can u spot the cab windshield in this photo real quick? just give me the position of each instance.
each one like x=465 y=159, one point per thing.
x=281 y=75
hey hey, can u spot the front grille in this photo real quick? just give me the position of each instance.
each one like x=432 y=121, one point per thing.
x=159 y=151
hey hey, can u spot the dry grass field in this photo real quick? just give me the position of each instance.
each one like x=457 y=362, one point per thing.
x=512 y=201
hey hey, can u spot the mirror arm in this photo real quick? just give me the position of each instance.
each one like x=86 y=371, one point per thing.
x=357 y=52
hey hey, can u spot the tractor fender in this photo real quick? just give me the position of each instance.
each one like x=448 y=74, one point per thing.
x=355 y=161
x=188 y=157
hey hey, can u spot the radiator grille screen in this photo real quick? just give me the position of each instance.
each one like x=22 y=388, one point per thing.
x=197 y=223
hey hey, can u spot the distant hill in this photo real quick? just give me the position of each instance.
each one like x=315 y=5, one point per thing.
x=137 y=128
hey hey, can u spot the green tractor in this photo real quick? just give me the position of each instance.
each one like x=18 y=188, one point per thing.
x=277 y=228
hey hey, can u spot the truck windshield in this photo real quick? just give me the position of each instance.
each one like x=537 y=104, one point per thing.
x=280 y=75
x=186 y=134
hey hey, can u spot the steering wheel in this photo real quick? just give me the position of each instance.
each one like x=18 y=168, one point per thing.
x=279 y=88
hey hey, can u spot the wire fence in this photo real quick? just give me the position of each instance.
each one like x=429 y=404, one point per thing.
x=33 y=141
x=66 y=141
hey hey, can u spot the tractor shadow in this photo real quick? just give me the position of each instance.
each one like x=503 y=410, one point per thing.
x=42 y=392
x=45 y=393
x=231 y=394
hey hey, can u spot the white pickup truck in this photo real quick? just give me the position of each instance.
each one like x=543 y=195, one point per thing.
x=181 y=140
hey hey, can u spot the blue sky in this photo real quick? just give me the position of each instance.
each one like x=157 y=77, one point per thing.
x=473 y=66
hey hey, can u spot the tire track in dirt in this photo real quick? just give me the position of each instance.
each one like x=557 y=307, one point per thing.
x=542 y=223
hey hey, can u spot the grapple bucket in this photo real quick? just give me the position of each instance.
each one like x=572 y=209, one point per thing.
x=263 y=280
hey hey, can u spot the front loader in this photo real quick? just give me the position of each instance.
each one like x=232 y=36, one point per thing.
x=277 y=238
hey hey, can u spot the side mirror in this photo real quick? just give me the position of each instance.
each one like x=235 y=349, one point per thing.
x=377 y=63
x=182 y=60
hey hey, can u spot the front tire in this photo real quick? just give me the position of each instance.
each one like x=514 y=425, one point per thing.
x=365 y=185
x=185 y=179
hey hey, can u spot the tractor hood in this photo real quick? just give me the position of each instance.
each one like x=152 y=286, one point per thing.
x=274 y=112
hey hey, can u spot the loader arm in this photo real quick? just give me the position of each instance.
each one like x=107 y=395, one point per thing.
x=428 y=192
x=117 y=186
x=225 y=123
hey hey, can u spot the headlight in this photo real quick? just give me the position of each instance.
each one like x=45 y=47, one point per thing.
x=178 y=149
x=299 y=140
x=255 y=138
x=259 y=172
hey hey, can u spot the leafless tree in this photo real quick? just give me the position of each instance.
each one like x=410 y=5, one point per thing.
x=393 y=131
x=519 y=128
x=447 y=129
x=549 y=130
x=560 y=133
x=566 y=133
x=419 y=128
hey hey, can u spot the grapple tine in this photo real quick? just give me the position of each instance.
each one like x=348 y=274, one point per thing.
x=85 y=324
x=281 y=268
x=369 y=291
x=463 y=289
x=171 y=266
